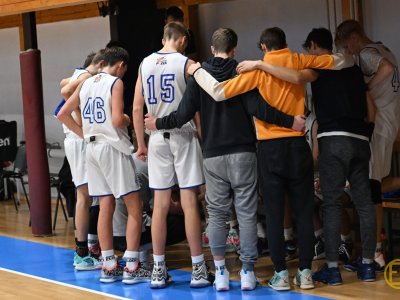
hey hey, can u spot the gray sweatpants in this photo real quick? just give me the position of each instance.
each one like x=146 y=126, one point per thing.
x=342 y=157
x=232 y=177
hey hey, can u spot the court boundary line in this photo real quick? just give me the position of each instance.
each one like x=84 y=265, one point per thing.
x=64 y=284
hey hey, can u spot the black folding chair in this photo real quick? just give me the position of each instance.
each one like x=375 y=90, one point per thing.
x=17 y=174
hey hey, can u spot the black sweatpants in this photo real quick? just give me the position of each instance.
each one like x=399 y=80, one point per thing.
x=285 y=166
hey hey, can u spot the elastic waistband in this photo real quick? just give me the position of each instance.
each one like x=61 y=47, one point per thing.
x=95 y=139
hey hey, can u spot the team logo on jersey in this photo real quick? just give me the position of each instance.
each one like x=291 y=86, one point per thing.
x=97 y=78
x=161 y=61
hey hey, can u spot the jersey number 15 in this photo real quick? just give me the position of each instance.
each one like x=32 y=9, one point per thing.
x=166 y=85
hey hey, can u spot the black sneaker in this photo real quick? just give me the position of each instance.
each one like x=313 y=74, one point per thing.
x=329 y=276
x=291 y=250
x=319 y=248
x=201 y=276
x=345 y=251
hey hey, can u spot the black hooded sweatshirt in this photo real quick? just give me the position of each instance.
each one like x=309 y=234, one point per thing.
x=226 y=126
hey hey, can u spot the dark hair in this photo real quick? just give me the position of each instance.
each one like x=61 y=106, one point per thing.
x=273 y=38
x=346 y=28
x=98 y=57
x=174 y=12
x=88 y=60
x=224 y=40
x=114 y=43
x=320 y=36
x=114 y=55
x=175 y=30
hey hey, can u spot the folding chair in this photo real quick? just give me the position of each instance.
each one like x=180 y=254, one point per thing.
x=56 y=183
x=17 y=174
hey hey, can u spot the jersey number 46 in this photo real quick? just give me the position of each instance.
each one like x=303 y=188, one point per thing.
x=94 y=110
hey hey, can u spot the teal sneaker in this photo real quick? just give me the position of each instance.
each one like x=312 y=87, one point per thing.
x=77 y=259
x=88 y=263
x=280 y=281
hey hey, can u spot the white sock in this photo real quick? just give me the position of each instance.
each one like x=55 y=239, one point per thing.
x=378 y=247
x=367 y=260
x=197 y=259
x=332 y=264
x=319 y=232
x=109 y=258
x=159 y=260
x=345 y=238
x=288 y=232
x=132 y=259
x=92 y=240
x=219 y=263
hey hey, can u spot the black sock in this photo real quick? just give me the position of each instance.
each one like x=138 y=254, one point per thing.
x=82 y=248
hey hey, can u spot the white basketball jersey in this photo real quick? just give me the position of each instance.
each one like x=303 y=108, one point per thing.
x=78 y=72
x=95 y=96
x=164 y=82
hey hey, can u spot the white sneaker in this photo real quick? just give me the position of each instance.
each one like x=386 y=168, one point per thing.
x=221 y=281
x=280 y=281
x=304 y=279
x=248 y=280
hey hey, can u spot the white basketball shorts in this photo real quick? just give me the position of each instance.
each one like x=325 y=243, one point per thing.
x=174 y=158
x=75 y=150
x=110 y=172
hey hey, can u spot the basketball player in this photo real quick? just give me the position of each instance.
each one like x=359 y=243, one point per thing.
x=111 y=171
x=75 y=149
x=162 y=78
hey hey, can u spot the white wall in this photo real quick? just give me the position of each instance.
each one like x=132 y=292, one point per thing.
x=64 y=46
x=249 y=17
x=382 y=23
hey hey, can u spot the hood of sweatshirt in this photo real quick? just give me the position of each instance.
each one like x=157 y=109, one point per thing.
x=221 y=68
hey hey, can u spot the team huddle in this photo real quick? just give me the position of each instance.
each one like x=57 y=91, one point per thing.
x=250 y=119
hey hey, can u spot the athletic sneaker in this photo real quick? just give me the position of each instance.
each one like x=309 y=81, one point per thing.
x=88 y=263
x=159 y=277
x=221 y=282
x=248 y=280
x=319 y=248
x=352 y=266
x=379 y=262
x=111 y=275
x=140 y=274
x=77 y=259
x=232 y=241
x=280 y=281
x=366 y=272
x=304 y=279
x=291 y=250
x=201 y=276
x=345 y=251
x=327 y=275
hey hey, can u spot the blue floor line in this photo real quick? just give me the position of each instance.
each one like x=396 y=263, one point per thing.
x=55 y=264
